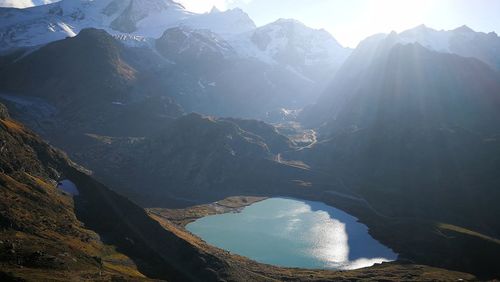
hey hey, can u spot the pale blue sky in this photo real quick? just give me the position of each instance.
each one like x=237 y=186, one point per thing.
x=353 y=20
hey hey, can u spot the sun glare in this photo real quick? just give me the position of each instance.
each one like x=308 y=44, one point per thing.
x=384 y=16
x=387 y=16
x=397 y=14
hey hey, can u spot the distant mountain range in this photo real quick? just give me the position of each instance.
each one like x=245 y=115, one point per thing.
x=462 y=41
x=197 y=68
x=384 y=64
x=142 y=18
x=291 y=62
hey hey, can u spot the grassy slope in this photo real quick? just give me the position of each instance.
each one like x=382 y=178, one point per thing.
x=44 y=235
x=40 y=236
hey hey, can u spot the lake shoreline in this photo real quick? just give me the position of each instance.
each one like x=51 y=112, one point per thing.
x=290 y=232
x=175 y=220
x=183 y=217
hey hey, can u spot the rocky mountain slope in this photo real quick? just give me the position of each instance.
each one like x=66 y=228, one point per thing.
x=419 y=128
x=193 y=160
x=196 y=69
x=42 y=233
x=84 y=69
x=414 y=132
x=410 y=82
x=85 y=84
x=209 y=76
x=114 y=122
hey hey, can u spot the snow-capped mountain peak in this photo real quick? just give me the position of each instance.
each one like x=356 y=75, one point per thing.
x=292 y=44
x=289 y=39
x=226 y=23
x=427 y=37
x=146 y=18
x=462 y=41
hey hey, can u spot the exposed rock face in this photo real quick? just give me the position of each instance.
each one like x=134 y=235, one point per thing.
x=135 y=11
x=195 y=48
x=4 y=112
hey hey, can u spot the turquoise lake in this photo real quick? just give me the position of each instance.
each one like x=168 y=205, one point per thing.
x=294 y=233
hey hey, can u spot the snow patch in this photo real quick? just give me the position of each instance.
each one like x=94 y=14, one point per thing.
x=66 y=28
x=130 y=40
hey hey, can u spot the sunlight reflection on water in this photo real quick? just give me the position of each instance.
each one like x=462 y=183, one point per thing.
x=294 y=233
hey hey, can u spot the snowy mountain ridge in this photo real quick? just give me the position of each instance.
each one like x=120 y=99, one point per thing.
x=461 y=41
x=291 y=43
x=313 y=54
x=20 y=4
x=148 y=18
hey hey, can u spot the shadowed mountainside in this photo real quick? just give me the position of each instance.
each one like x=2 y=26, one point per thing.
x=195 y=159
x=415 y=133
x=419 y=122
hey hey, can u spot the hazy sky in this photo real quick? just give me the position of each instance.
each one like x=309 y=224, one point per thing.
x=353 y=20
